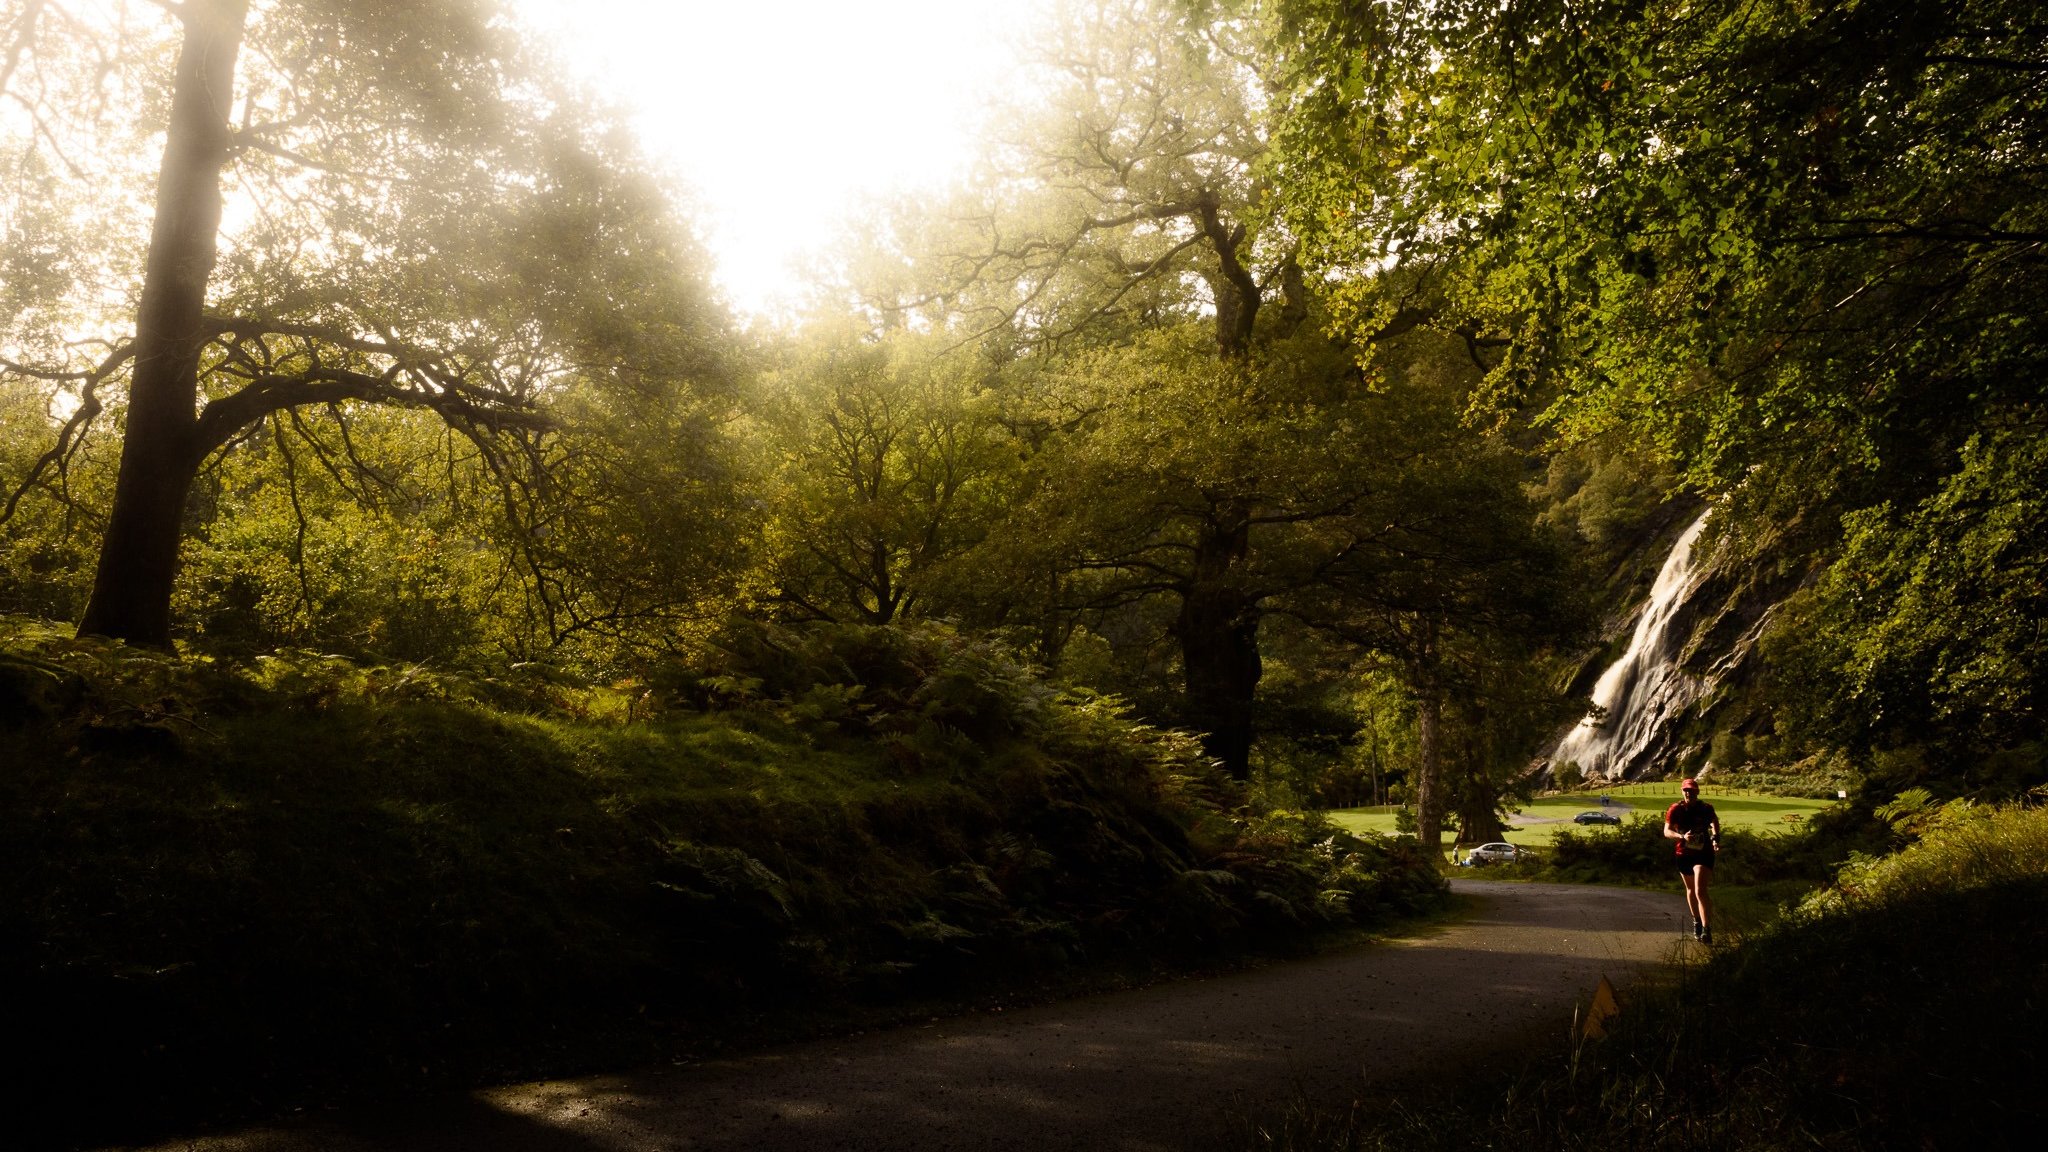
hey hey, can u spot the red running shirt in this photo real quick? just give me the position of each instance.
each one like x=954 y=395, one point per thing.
x=1687 y=817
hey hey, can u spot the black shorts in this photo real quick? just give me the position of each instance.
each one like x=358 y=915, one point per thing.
x=1690 y=857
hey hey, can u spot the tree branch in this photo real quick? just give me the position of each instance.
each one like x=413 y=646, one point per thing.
x=72 y=435
x=460 y=404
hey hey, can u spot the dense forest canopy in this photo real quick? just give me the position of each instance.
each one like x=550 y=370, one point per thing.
x=359 y=209
x=1295 y=371
x=1797 y=248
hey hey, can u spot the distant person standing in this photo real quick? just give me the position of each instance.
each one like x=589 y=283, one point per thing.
x=1693 y=824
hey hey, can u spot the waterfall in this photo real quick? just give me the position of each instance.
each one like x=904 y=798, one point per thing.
x=1646 y=686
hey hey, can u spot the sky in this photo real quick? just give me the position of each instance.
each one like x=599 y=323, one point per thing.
x=783 y=114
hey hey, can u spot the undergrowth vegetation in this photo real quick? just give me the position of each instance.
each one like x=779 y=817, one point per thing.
x=237 y=886
x=1953 y=846
x=1899 y=1008
x=1637 y=853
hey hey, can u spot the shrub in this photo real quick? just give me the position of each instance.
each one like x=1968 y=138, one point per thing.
x=1637 y=853
x=1729 y=753
x=1960 y=845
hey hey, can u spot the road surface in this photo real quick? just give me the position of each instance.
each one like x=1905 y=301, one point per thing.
x=1158 y=1069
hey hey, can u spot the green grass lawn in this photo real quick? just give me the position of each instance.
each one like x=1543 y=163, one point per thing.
x=1545 y=814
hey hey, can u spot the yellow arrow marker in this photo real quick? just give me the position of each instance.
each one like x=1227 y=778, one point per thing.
x=1605 y=1007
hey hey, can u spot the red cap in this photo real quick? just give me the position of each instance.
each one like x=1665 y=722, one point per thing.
x=1688 y=785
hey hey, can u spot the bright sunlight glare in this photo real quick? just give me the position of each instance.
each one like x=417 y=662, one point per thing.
x=784 y=114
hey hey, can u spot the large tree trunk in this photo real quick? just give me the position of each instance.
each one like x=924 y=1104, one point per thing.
x=1478 y=799
x=1218 y=626
x=1218 y=629
x=1479 y=822
x=1429 y=804
x=161 y=450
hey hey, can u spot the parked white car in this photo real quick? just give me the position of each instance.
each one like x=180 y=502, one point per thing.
x=1498 y=852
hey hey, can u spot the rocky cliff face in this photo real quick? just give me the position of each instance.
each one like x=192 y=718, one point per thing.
x=1689 y=670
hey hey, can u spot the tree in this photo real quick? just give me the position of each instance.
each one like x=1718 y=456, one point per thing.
x=1667 y=203
x=1793 y=247
x=1473 y=601
x=1217 y=485
x=387 y=559
x=1383 y=746
x=1925 y=636
x=422 y=219
x=892 y=467
x=1505 y=705
x=1370 y=512
x=1201 y=454
x=1124 y=209
x=1128 y=195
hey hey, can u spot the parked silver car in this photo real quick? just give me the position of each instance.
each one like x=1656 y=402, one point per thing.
x=1498 y=852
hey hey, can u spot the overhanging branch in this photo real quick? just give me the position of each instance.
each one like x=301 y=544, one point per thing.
x=462 y=404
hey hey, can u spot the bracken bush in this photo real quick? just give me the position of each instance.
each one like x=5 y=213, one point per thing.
x=1956 y=845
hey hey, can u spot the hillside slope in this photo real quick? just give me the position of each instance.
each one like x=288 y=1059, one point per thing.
x=232 y=889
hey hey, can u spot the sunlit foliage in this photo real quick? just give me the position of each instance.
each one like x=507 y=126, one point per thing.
x=1792 y=249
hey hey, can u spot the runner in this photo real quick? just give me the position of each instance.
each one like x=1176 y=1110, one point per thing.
x=1697 y=829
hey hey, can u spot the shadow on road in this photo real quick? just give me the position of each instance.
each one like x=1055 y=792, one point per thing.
x=1146 y=1071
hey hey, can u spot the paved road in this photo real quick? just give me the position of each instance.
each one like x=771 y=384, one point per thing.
x=1147 y=1071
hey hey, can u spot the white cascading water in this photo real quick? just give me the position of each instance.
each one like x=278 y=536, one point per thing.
x=1644 y=687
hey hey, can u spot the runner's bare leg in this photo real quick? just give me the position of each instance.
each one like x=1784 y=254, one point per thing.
x=1702 y=879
